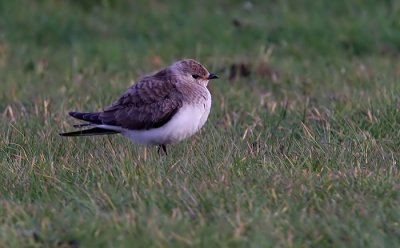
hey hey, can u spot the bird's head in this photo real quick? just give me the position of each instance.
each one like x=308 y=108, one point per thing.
x=193 y=71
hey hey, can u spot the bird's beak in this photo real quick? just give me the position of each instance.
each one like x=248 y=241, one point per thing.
x=212 y=76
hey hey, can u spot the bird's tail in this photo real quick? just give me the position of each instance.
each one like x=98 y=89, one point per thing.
x=93 y=120
x=89 y=132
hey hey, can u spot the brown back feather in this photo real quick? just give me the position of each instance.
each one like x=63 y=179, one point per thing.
x=150 y=103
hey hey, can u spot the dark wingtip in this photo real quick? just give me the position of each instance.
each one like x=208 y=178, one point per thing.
x=89 y=132
x=86 y=116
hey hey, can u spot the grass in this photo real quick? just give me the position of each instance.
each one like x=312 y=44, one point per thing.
x=302 y=152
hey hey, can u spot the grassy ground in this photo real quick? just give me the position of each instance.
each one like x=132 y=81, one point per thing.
x=302 y=150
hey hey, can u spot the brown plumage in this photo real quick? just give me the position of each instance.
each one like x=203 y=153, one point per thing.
x=152 y=102
x=148 y=104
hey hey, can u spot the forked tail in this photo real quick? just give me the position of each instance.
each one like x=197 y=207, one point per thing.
x=93 y=120
x=89 y=132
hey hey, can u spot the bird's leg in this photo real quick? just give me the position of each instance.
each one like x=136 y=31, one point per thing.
x=164 y=149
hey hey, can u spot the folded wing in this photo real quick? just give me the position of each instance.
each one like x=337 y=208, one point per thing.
x=150 y=103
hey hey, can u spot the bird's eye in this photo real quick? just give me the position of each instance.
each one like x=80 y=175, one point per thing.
x=195 y=76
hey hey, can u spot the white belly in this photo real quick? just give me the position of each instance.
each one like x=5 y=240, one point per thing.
x=187 y=121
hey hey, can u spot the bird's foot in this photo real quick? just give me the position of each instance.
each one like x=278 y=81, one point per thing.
x=162 y=148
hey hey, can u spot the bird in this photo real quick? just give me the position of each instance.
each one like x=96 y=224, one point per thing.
x=160 y=109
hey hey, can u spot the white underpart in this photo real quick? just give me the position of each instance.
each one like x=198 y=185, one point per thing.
x=187 y=121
